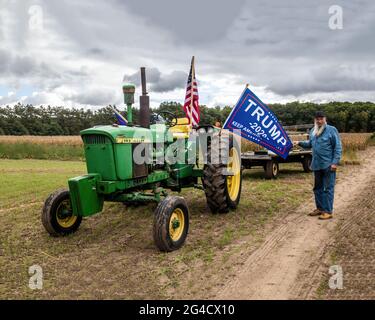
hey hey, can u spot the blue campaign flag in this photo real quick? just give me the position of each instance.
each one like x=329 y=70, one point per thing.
x=258 y=124
x=121 y=120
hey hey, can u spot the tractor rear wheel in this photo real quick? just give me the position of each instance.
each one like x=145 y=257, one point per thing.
x=57 y=214
x=171 y=223
x=222 y=183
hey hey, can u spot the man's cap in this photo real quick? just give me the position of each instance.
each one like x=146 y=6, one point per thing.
x=319 y=114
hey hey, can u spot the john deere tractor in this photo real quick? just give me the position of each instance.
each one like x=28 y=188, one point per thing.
x=116 y=172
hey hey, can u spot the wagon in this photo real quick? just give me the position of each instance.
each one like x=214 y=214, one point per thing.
x=270 y=161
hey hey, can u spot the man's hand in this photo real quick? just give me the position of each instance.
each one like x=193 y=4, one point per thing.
x=295 y=143
x=333 y=167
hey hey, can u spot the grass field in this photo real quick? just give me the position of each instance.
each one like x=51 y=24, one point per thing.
x=112 y=255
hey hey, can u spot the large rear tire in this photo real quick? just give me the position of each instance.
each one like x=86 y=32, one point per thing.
x=171 y=223
x=57 y=214
x=222 y=182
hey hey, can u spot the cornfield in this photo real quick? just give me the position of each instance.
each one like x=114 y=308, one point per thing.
x=69 y=147
x=44 y=140
x=41 y=147
x=355 y=141
x=350 y=141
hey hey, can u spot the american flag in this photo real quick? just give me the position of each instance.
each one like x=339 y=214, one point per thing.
x=191 y=105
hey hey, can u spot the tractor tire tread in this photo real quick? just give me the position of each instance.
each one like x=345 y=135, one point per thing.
x=161 y=221
x=46 y=216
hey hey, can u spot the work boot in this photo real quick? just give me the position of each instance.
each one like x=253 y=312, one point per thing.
x=316 y=212
x=325 y=216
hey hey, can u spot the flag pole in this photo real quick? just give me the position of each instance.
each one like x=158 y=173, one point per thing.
x=192 y=89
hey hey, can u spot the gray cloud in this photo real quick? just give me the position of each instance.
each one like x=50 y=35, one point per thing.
x=171 y=81
x=328 y=79
x=159 y=82
x=23 y=67
x=152 y=76
x=194 y=21
x=284 y=47
x=95 y=97
x=20 y=65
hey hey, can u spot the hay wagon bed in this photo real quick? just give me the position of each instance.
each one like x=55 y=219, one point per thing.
x=270 y=161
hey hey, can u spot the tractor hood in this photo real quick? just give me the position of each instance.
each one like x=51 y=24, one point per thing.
x=121 y=134
x=158 y=133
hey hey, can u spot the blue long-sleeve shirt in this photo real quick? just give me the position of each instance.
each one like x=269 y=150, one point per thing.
x=326 y=149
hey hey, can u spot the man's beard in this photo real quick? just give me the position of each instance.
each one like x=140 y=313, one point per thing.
x=318 y=130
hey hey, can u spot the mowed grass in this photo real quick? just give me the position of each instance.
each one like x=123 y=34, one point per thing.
x=26 y=182
x=112 y=255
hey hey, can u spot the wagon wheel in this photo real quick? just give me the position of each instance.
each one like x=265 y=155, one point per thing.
x=271 y=169
x=306 y=163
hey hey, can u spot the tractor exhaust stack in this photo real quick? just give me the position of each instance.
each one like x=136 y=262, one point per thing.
x=144 y=102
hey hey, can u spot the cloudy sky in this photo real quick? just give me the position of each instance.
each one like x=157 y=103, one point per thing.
x=78 y=52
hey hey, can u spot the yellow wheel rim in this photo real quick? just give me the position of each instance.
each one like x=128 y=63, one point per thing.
x=234 y=180
x=64 y=215
x=176 y=224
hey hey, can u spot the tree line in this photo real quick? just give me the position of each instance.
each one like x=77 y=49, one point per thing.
x=46 y=120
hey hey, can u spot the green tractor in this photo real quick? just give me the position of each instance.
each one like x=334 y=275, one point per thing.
x=115 y=172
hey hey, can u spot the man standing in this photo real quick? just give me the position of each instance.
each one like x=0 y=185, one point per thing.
x=326 y=153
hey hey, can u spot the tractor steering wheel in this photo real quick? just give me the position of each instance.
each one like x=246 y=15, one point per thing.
x=169 y=117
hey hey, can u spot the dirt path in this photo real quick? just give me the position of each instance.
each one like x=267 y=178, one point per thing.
x=352 y=247
x=271 y=271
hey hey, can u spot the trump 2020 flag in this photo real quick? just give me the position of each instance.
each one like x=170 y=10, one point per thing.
x=120 y=119
x=258 y=124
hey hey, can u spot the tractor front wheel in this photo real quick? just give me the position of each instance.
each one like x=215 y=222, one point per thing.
x=171 y=223
x=57 y=214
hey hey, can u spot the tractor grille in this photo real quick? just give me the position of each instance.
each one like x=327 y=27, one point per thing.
x=95 y=139
x=139 y=170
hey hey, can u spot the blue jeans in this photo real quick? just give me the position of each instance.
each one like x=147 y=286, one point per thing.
x=324 y=189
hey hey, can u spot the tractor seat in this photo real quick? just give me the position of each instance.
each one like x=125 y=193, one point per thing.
x=181 y=129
